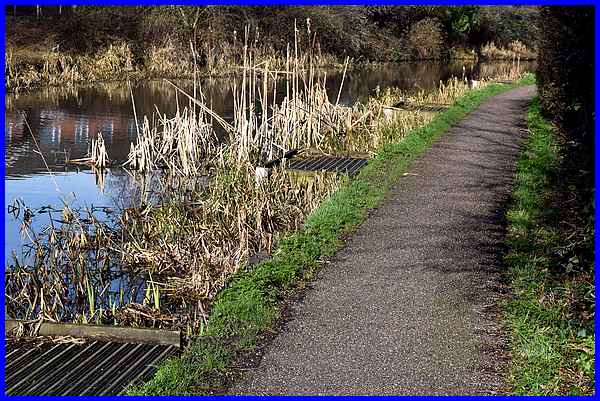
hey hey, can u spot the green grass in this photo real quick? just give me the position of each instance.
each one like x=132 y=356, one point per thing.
x=251 y=303
x=552 y=346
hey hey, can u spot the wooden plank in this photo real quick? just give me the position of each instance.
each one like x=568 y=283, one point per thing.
x=110 y=333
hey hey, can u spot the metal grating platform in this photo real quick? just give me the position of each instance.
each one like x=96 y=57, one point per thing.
x=92 y=368
x=431 y=108
x=348 y=165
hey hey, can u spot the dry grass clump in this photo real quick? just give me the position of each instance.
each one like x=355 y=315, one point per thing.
x=179 y=144
x=446 y=93
x=167 y=60
x=393 y=106
x=25 y=68
x=65 y=272
x=510 y=71
x=195 y=245
x=263 y=127
x=514 y=50
x=372 y=135
x=462 y=53
x=113 y=61
x=362 y=134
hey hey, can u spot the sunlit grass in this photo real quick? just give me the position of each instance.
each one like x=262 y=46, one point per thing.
x=552 y=347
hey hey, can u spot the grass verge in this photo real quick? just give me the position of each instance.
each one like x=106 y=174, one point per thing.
x=551 y=312
x=251 y=303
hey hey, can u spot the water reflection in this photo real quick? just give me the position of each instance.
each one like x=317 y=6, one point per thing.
x=66 y=120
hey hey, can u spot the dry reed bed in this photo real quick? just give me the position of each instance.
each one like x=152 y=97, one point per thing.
x=262 y=126
x=25 y=68
x=512 y=51
x=195 y=246
x=183 y=248
x=155 y=265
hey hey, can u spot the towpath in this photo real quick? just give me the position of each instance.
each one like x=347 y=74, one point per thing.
x=409 y=306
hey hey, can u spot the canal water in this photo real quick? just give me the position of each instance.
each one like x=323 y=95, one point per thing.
x=42 y=126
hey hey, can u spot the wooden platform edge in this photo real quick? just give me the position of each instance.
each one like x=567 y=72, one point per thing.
x=111 y=333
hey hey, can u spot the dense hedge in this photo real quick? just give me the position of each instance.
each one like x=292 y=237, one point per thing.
x=565 y=74
x=562 y=244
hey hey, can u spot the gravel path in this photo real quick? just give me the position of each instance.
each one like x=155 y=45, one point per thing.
x=409 y=305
